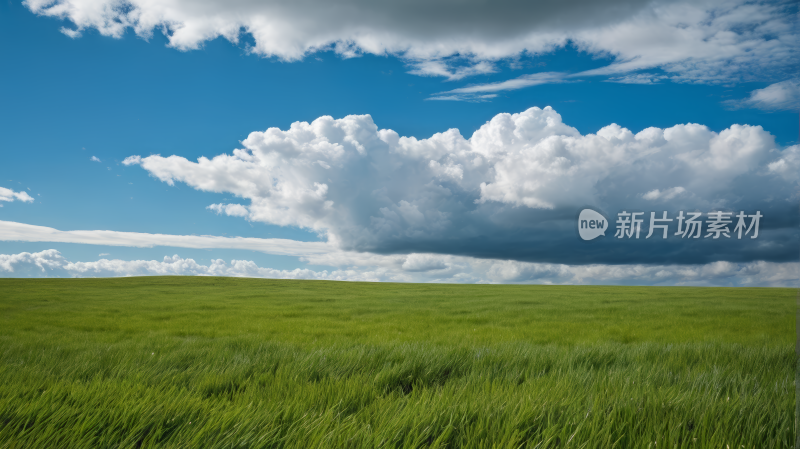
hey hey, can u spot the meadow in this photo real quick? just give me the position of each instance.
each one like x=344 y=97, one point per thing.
x=184 y=362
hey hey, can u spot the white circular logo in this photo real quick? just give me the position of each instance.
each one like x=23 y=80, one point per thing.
x=591 y=224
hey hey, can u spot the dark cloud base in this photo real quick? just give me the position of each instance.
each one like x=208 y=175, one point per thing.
x=552 y=239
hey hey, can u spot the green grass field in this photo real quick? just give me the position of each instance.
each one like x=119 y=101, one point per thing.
x=243 y=363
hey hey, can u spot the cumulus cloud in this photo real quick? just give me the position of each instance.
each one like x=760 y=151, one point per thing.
x=783 y=96
x=95 y=159
x=511 y=190
x=418 y=268
x=706 y=41
x=43 y=262
x=788 y=165
x=9 y=195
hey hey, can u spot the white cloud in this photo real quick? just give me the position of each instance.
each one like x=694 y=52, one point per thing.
x=45 y=260
x=436 y=67
x=375 y=189
x=477 y=92
x=775 y=97
x=516 y=83
x=463 y=97
x=666 y=194
x=714 y=41
x=9 y=195
x=234 y=210
x=706 y=41
x=95 y=159
x=638 y=78
x=418 y=268
x=788 y=165
x=12 y=231
x=424 y=262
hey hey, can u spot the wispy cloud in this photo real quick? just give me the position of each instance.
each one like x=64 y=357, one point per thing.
x=13 y=231
x=442 y=68
x=463 y=97
x=512 y=84
x=477 y=92
x=783 y=96
x=95 y=159
x=638 y=78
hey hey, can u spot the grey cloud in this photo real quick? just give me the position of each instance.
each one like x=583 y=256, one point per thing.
x=710 y=41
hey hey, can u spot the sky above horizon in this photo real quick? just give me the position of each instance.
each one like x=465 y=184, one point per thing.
x=433 y=142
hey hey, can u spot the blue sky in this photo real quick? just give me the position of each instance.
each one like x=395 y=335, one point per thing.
x=116 y=91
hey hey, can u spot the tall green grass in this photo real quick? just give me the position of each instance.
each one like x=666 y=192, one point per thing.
x=210 y=362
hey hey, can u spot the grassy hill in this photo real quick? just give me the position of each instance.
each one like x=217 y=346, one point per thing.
x=224 y=362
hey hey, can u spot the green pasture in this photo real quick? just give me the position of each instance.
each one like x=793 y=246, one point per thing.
x=184 y=362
